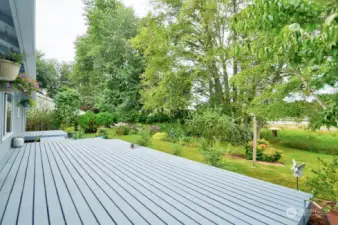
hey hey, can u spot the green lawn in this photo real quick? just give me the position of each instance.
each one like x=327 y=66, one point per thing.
x=278 y=175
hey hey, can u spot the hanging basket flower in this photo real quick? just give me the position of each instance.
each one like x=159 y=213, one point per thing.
x=23 y=84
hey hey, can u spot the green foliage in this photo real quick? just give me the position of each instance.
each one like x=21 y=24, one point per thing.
x=145 y=139
x=122 y=130
x=212 y=152
x=107 y=68
x=67 y=103
x=87 y=122
x=177 y=149
x=320 y=142
x=213 y=124
x=70 y=130
x=102 y=132
x=105 y=119
x=132 y=131
x=161 y=136
x=325 y=180
x=264 y=151
x=39 y=119
x=78 y=135
x=13 y=56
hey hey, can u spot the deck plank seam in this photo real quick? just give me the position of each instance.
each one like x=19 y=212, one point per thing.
x=4 y=181
x=169 y=196
x=44 y=183
x=11 y=190
x=57 y=151
x=142 y=194
x=178 y=187
x=56 y=188
x=193 y=184
x=157 y=158
x=63 y=179
x=104 y=190
x=23 y=186
x=124 y=190
x=273 y=187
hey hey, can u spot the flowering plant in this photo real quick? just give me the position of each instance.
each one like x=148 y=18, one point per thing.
x=22 y=83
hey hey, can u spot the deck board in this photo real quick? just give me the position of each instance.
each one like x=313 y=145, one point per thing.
x=97 y=181
x=45 y=135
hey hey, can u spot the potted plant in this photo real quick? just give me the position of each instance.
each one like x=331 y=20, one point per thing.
x=10 y=64
x=23 y=83
x=27 y=103
x=70 y=131
x=18 y=142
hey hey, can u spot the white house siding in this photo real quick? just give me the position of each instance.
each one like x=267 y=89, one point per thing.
x=18 y=122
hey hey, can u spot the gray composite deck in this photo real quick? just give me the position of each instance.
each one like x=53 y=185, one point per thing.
x=34 y=135
x=105 y=182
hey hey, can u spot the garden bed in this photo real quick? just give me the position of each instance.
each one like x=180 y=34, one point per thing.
x=243 y=157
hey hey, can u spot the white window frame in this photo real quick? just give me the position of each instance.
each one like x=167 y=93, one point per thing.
x=9 y=134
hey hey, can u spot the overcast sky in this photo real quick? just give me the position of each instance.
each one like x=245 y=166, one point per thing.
x=59 y=22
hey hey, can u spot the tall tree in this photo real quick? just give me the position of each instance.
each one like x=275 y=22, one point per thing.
x=187 y=48
x=292 y=46
x=46 y=74
x=107 y=68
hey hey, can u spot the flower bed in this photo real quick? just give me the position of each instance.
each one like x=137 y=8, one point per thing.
x=264 y=151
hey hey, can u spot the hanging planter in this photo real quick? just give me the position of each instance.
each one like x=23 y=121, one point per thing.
x=8 y=70
x=27 y=103
x=10 y=64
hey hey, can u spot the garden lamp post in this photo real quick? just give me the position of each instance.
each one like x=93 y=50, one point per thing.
x=297 y=170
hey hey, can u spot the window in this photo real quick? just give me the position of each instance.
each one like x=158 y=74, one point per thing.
x=8 y=114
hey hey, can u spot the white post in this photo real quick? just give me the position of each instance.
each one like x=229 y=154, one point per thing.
x=254 y=142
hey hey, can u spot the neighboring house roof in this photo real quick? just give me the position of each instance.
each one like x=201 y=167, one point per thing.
x=17 y=30
x=95 y=181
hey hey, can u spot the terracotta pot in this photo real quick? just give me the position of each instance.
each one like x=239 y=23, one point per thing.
x=9 y=70
x=332 y=217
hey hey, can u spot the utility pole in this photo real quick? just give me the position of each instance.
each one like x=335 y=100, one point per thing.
x=254 y=141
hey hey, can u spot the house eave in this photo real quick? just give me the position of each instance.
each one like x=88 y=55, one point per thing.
x=23 y=13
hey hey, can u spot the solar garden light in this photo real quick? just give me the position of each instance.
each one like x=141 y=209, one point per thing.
x=297 y=170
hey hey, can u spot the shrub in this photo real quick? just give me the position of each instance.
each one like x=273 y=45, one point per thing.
x=177 y=149
x=325 y=180
x=212 y=153
x=67 y=103
x=122 y=130
x=305 y=140
x=145 y=138
x=264 y=151
x=154 y=129
x=70 y=130
x=133 y=131
x=39 y=119
x=105 y=119
x=212 y=124
x=87 y=122
x=160 y=136
x=78 y=135
x=102 y=132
